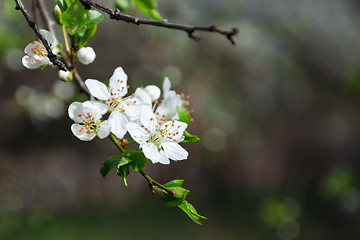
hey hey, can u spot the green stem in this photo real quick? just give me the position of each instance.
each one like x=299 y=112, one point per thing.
x=153 y=182
x=67 y=46
x=147 y=177
x=116 y=142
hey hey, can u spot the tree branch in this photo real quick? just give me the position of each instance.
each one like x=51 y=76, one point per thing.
x=46 y=17
x=52 y=57
x=191 y=30
x=77 y=77
x=35 y=9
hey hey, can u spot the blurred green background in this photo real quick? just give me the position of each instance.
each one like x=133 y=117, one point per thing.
x=278 y=116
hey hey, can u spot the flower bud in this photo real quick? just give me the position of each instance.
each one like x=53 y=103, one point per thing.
x=86 y=55
x=57 y=14
x=153 y=91
x=65 y=76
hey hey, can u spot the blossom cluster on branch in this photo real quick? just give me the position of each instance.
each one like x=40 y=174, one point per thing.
x=157 y=126
x=158 y=133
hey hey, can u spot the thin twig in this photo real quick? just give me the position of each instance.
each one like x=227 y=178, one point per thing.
x=52 y=57
x=49 y=23
x=36 y=11
x=153 y=182
x=77 y=77
x=191 y=30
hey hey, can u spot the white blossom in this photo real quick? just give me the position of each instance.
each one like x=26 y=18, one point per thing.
x=158 y=138
x=87 y=117
x=153 y=91
x=86 y=55
x=36 y=54
x=171 y=100
x=123 y=109
x=65 y=76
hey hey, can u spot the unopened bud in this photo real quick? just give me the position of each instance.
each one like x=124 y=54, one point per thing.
x=65 y=76
x=153 y=91
x=86 y=55
x=57 y=14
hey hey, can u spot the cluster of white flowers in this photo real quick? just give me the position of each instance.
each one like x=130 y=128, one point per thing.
x=36 y=55
x=155 y=127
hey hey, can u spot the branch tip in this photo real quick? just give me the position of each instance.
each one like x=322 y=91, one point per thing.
x=119 y=16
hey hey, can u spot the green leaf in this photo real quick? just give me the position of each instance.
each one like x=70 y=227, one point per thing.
x=58 y=47
x=81 y=38
x=190 y=138
x=177 y=198
x=76 y=18
x=123 y=171
x=174 y=183
x=148 y=7
x=191 y=212
x=155 y=15
x=122 y=5
x=138 y=160
x=183 y=114
x=63 y=4
x=111 y=162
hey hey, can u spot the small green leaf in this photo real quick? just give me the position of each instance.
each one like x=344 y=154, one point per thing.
x=148 y=7
x=108 y=164
x=62 y=5
x=81 y=38
x=190 y=138
x=76 y=18
x=111 y=162
x=183 y=114
x=138 y=160
x=174 y=183
x=58 y=47
x=155 y=15
x=122 y=5
x=42 y=67
x=177 y=198
x=123 y=171
x=191 y=212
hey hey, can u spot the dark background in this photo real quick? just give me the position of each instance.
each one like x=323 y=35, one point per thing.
x=278 y=116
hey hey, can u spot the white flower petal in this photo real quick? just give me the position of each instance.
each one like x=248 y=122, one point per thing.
x=132 y=107
x=166 y=89
x=118 y=123
x=74 y=110
x=97 y=108
x=118 y=82
x=152 y=153
x=82 y=135
x=164 y=159
x=104 y=129
x=97 y=89
x=137 y=133
x=50 y=38
x=147 y=117
x=166 y=86
x=174 y=151
x=143 y=96
x=32 y=63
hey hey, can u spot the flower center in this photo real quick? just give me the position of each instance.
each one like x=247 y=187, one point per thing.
x=89 y=124
x=159 y=134
x=115 y=103
x=38 y=50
